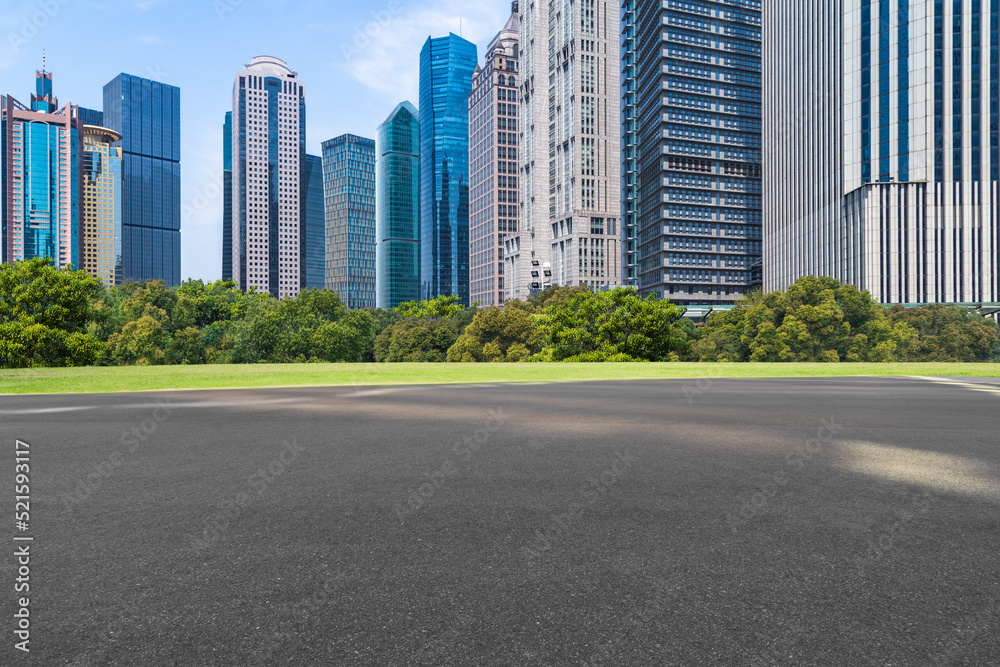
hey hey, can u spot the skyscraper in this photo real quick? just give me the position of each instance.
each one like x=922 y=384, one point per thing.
x=692 y=153
x=569 y=172
x=40 y=177
x=446 y=68
x=147 y=116
x=397 y=210
x=883 y=123
x=269 y=135
x=349 y=189
x=630 y=173
x=101 y=212
x=312 y=235
x=227 y=197
x=493 y=164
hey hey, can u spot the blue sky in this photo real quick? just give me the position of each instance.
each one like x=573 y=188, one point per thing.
x=353 y=79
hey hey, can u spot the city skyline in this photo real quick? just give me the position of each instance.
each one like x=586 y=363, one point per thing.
x=355 y=79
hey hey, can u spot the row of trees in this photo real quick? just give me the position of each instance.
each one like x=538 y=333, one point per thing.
x=53 y=317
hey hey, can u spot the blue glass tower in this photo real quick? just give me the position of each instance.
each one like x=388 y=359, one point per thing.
x=397 y=185
x=227 y=203
x=446 y=68
x=147 y=115
x=349 y=189
x=312 y=226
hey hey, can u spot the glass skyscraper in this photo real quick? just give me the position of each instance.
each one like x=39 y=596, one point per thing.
x=147 y=116
x=446 y=68
x=349 y=189
x=883 y=128
x=692 y=146
x=227 y=197
x=397 y=183
x=312 y=229
x=101 y=211
x=41 y=156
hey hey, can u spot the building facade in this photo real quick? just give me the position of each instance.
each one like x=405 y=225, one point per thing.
x=268 y=148
x=147 y=116
x=886 y=177
x=493 y=164
x=312 y=237
x=41 y=151
x=349 y=189
x=569 y=158
x=446 y=68
x=101 y=209
x=697 y=148
x=397 y=210
x=630 y=172
x=227 y=197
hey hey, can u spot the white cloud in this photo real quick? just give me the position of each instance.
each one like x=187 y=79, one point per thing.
x=384 y=53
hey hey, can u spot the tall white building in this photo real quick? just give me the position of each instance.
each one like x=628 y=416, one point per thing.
x=268 y=144
x=569 y=165
x=881 y=118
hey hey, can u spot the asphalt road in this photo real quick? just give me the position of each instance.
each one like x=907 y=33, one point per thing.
x=836 y=522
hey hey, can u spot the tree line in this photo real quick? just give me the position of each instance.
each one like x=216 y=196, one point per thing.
x=62 y=317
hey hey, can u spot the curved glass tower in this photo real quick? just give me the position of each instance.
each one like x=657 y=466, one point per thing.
x=397 y=210
x=446 y=68
x=882 y=118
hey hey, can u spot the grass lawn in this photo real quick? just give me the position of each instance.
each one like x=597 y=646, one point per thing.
x=140 y=378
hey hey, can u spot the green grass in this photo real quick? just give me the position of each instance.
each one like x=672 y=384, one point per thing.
x=140 y=378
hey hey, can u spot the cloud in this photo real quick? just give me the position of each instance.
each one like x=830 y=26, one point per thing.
x=147 y=39
x=383 y=52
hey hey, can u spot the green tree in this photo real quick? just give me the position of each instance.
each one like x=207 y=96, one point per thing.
x=947 y=333
x=617 y=325
x=510 y=333
x=442 y=306
x=416 y=340
x=45 y=314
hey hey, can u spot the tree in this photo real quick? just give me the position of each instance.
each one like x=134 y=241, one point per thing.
x=947 y=333
x=442 y=306
x=617 y=325
x=416 y=340
x=45 y=313
x=510 y=333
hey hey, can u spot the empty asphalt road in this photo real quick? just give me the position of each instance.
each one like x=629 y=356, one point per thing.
x=848 y=521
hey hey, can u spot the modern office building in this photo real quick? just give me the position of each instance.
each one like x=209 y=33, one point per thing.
x=349 y=196
x=227 y=197
x=882 y=126
x=630 y=172
x=493 y=164
x=569 y=157
x=101 y=208
x=446 y=68
x=91 y=117
x=268 y=148
x=41 y=151
x=692 y=154
x=397 y=210
x=147 y=115
x=312 y=230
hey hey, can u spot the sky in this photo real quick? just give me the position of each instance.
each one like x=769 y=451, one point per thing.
x=357 y=60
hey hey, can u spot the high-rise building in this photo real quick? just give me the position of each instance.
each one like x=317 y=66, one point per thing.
x=91 y=117
x=101 y=210
x=569 y=137
x=446 y=68
x=397 y=210
x=883 y=127
x=692 y=148
x=630 y=172
x=268 y=147
x=147 y=114
x=493 y=164
x=349 y=196
x=312 y=235
x=40 y=177
x=227 y=197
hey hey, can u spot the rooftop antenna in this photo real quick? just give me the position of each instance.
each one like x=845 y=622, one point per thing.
x=43 y=61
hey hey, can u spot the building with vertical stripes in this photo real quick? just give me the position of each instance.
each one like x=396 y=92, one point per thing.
x=882 y=122
x=101 y=209
x=268 y=148
x=692 y=147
